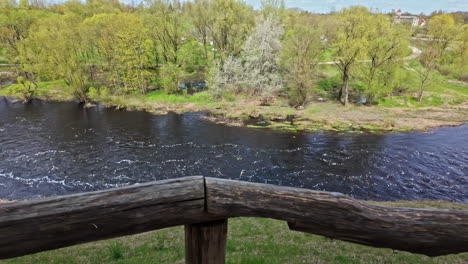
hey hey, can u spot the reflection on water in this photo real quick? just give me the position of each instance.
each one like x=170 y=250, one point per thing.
x=60 y=148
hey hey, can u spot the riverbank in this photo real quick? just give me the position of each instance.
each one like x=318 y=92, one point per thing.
x=444 y=106
x=250 y=240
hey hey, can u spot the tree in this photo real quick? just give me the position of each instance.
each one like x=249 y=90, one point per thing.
x=351 y=43
x=257 y=71
x=123 y=50
x=274 y=8
x=14 y=27
x=201 y=19
x=303 y=46
x=166 y=22
x=62 y=58
x=386 y=46
x=232 y=22
x=430 y=62
x=171 y=77
x=443 y=30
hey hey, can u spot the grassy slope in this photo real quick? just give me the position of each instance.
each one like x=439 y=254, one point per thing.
x=250 y=241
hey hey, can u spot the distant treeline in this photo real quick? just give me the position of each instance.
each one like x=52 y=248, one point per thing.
x=109 y=48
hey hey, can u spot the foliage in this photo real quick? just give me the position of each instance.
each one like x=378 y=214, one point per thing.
x=351 y=43
x=270 y=53
x=166 y=22
x=123 y=48
x=232 y=22
x=443 y=30
x=386 y=47
x=303 y=46
x=64 y=57
x=257 y=71
x=14 y=27
x=25 y=89
x=171 y=78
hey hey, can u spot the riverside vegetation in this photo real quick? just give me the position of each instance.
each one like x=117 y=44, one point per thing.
x=274 y=67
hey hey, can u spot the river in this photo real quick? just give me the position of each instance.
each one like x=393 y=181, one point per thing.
x=49 y=149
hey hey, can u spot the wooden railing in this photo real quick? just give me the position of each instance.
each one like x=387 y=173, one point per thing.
x=203 y=205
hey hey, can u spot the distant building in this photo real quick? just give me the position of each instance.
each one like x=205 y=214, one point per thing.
x=414 y=21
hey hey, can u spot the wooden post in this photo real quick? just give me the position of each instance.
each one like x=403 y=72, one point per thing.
x=205 y=243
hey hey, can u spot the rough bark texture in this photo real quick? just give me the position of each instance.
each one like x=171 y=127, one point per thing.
x=205 y=243
x=429 y=232
x=34 y=226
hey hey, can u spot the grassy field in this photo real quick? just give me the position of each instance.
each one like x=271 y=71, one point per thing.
x=250 y=241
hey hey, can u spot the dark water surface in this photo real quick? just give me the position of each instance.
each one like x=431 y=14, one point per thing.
x=51 y=149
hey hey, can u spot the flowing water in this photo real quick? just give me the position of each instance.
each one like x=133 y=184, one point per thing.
x=49 y=149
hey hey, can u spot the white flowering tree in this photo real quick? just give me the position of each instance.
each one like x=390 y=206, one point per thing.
x=257 y=71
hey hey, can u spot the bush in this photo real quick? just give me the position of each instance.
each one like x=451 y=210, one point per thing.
x=329 y=84
x=25 y=89
x=171 y=77
x=102 y=94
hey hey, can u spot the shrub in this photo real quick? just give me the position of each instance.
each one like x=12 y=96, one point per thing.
x=171 y=77
x=25 y=89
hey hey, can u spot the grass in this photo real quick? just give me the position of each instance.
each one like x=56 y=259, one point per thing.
x=116 y=250
x=411 y=101
x=50 y=89
x=161 y=96
x=250 y=241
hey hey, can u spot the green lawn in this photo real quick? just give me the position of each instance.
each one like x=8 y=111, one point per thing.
x=161 y=96
x=250 y=241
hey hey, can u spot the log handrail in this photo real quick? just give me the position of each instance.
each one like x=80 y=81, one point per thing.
x=28 y=227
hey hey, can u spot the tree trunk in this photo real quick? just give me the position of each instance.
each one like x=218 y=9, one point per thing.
x=346 y=94
x=421 y=92
x=345 y=87
x=420 y=96
x=340 y=93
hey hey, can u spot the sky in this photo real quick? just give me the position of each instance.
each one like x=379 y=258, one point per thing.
x=412 y=6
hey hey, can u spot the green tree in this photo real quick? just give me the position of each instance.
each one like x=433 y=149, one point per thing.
x=122 y=46
x=429 y=63
x=274 y=8
x=201 y=19
x=443 y=30
x=14 y=27
x=386 y=46
x=351 y=43
x=171 y=77
x=233 y=20
x=303 y=46
x=62 y=58
x=165 y=20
